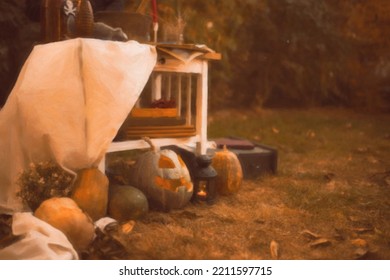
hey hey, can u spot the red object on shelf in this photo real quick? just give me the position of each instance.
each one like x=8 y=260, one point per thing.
x=154 y=11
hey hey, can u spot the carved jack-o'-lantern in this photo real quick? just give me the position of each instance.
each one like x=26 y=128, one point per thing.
x=163 y=177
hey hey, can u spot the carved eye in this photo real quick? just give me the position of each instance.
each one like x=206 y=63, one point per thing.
x=165 y=162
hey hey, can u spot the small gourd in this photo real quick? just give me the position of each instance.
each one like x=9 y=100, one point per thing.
x=228 y=167
x=64 y=214
x=126 y=203
x=90 y=191
x=163 y=177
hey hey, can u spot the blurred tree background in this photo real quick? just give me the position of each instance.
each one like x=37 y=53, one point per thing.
x=290 y=53
x=275 y=53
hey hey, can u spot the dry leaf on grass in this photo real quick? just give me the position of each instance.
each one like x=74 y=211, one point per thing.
x=274 y=249
x=322 y=242
x=359 y=242
x=387 y=180
x=127 y=227
x=310 y=134
x=362 y=150
x=310 y=235
x=363 y=229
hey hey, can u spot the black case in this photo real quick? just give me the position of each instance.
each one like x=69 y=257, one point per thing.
x=260 y=160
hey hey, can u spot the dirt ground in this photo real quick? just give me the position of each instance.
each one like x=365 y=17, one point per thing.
x=328 y=200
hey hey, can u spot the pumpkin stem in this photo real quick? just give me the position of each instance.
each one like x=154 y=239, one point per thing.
x=224 y=148
x=149 y=141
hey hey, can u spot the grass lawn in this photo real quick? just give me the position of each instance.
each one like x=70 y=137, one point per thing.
x=330 y=198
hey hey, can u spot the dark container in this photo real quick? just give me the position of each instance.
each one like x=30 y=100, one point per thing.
x=256 y=161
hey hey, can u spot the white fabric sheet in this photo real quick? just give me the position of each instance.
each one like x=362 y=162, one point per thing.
x=38 y=241
x=68 y=103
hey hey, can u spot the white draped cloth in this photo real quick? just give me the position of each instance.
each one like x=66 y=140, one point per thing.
x=37 y=241
x=69 y=101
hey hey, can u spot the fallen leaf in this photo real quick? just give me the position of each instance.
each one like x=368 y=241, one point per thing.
x=387 y=180
x=275 y=130
x=359 y=242
x=354 y=219
x=259 y=221
x=126 y=228
x=310 y=235
x=274 y=249
x=372 y=160
x=362 y=150
x=322 y=242
x=331 y=185
x=310 y=134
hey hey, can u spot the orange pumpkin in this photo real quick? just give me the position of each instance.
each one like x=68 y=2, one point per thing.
x=64 y=214
x=90 y=191
x=228 y=167
x=163 y=177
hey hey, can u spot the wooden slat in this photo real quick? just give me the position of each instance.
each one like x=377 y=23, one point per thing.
x=160 y=131
x=159 y=135
x=154 y=112
x=212 y=56
x=161 y=128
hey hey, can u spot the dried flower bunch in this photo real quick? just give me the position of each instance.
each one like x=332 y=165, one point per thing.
x=42 y=181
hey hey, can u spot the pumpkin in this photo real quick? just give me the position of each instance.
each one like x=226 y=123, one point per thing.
x=228 y=167
x=163 y=177
x=64 y=214
x=90 y=191
x=126 y=203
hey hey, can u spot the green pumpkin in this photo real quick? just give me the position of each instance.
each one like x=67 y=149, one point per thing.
x=126 y=203
x=163 y=177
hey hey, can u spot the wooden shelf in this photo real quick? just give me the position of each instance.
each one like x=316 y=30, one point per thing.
x=168 y=127
x=153 y=112
x=159 y=131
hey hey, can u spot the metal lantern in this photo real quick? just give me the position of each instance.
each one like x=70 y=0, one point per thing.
x=204 y=181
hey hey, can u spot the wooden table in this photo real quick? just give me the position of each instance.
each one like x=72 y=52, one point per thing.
x=181 y=72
